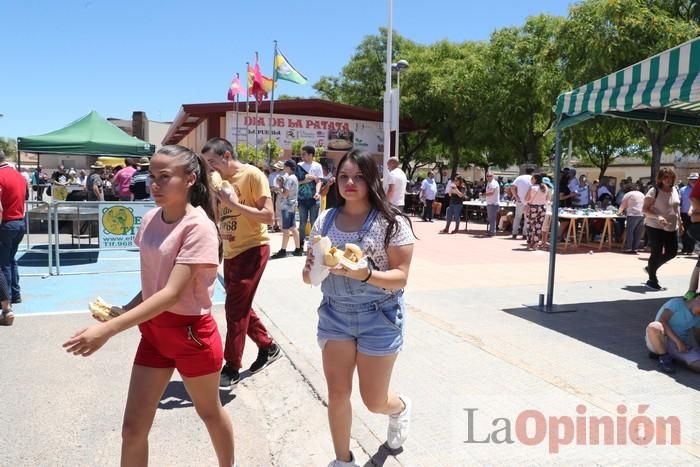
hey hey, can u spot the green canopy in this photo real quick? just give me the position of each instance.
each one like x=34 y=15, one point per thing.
x=665 y=87
x=92 y=135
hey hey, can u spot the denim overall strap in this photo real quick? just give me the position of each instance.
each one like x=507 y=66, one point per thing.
x=333 y=212
x=328 y=221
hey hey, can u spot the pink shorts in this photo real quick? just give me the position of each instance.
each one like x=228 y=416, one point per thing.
x=191 y=344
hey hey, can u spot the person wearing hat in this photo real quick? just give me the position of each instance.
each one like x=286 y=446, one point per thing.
x=94 y=184
x=276 y=172
x=140 y=185
x=688 y=241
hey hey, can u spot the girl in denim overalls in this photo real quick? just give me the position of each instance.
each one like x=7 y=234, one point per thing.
x=362 y=315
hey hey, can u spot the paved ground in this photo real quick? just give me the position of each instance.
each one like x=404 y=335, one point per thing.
x=475 y=359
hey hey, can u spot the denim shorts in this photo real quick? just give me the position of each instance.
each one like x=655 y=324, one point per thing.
x=288 y=220
x=376 y=327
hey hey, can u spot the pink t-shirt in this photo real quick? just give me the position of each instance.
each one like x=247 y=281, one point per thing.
x=123 y=179
x=191 y=240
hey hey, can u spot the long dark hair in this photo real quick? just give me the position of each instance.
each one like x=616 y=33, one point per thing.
x=538 y=181
x=200 y=194
x=377 y=197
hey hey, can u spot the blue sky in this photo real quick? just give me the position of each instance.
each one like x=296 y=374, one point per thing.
x=63 y=58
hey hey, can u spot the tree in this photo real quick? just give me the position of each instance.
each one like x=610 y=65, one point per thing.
x=9 y=146
x=599 y=142
x=623 y=32
x=525 y=79
x=361 y=82
x=443 y=93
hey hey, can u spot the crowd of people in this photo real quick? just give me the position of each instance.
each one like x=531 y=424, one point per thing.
x=98 y=182
x=195 y=226
x=361 y=320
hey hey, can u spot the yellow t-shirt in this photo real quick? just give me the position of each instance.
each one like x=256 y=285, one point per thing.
x=237 y=231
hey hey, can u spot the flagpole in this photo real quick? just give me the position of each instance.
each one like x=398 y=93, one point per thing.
x=247 y=104
x=387 y=99
x=272 y=103
x=236 y=110
x=256 y=114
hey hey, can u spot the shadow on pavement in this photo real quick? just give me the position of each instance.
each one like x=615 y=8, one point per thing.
x=379 y=458
x=38 y=256
x=616 y=326
x=176 y=397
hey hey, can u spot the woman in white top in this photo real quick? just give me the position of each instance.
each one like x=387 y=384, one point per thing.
x=536 y=198
x=632 y=205
x=662 y=213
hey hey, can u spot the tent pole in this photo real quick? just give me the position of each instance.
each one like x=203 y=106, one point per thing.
x=554 y=224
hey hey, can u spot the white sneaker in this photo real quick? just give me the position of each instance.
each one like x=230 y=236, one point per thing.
x=397 y=432
x=350 y=463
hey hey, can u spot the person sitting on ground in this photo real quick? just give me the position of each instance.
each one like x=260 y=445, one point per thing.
x=505 y=221
x=667 y=337
x=288 y=187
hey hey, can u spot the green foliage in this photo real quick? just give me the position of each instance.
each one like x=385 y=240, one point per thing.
x=524 y=79
x=246 y=153
x=9 y=146
x=599 y=142
x=297 y=144
x=271 y=150
x=490 y=103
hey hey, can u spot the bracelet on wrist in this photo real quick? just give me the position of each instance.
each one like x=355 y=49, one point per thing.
x=369 y=276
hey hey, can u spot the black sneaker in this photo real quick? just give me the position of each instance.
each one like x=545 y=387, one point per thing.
x=17 y=300
x=653 y=355
x=666 y=364
x=265 y=357
x=298 y=252
x=229 y=377
x=280 y=254
x=653 y=285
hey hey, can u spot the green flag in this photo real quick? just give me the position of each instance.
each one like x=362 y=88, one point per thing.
x=284 y=70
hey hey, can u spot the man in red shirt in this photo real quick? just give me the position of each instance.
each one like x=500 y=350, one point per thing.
x=12 y=191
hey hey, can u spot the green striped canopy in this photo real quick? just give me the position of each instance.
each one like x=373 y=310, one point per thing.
x=664 y=87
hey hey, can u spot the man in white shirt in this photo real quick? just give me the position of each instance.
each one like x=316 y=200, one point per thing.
x=396 y=190
x=519 y=189
x=493 y=196
x=428 y=191
x=310 y=176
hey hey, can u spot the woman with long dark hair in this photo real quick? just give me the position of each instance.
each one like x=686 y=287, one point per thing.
x=362 y=314
x=662 y=215
x=180 y=252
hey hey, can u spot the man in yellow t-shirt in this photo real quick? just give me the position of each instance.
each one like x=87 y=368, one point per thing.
x=245 y=210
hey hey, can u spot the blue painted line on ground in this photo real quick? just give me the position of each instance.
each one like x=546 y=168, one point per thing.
x=112 y=275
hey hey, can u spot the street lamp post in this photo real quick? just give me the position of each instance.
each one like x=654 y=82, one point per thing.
x=398 y=66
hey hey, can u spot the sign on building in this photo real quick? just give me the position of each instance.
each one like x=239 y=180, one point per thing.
x=120 y=222
x=335 y=134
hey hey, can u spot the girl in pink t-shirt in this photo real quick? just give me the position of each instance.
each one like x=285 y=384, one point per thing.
x=180 y=252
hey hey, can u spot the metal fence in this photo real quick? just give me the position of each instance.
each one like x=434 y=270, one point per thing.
x=37 y=215
x=83 y=217
x=85 y=220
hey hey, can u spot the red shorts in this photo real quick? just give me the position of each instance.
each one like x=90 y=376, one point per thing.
x=191 y=344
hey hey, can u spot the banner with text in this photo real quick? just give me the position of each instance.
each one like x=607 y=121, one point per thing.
x=120 y=222
x=335 y=134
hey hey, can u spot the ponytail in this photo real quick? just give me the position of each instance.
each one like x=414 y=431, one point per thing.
x=200 y=194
